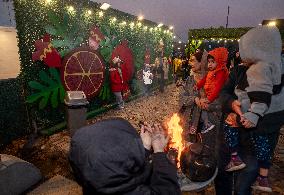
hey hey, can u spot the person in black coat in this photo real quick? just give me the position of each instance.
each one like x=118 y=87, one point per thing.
x=109 y=157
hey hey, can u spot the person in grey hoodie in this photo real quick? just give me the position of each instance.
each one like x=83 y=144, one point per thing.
x=260 y=98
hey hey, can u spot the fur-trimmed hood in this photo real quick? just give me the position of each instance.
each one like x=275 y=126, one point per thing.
x=263 y=45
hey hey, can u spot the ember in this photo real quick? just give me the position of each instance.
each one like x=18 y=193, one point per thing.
x=176 y=141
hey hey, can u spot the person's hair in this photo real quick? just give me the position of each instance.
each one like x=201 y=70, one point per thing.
x=198 y=56
x=210 y=57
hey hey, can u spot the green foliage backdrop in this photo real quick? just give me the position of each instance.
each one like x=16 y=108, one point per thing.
x=67 y=25
x=217 y=33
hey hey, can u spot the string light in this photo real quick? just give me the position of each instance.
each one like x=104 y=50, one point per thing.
x=105 y=6
x=89 y=12
x=160 y=25
x=101 y=14
x=141 y=17
x=132 y=24
x=48 y=1
x=272 y=23
x=70 y=8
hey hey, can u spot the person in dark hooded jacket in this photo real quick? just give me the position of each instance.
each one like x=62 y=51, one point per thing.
x=109 y=157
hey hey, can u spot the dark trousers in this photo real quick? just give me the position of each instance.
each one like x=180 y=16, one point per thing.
x=146 y=89
x=239 y=182
x=262 y=145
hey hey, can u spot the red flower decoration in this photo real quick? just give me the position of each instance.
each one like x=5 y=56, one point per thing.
x=46 y=52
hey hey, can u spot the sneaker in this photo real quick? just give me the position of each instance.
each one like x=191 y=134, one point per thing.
x=207 y=128
x=262 y=184
x=235 y=164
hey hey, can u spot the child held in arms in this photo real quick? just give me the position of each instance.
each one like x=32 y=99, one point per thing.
x=260 y=98
x=212 y=83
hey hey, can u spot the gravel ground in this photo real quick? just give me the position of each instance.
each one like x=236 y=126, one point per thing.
x=49 y=154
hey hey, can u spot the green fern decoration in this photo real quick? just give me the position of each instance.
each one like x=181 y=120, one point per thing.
x=66 y=32
x=50 y=88
x=105 y=93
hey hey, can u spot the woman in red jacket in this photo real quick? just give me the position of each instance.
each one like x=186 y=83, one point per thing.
x=117 y=78
x=213 y=81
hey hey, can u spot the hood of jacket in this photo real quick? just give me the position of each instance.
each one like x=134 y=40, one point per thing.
x=263 y=44
x=220 y=55
x=110 y=156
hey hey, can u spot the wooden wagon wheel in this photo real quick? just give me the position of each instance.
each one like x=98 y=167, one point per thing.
x=83 y=70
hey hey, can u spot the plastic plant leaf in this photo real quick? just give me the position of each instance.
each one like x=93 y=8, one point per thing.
x=53 y=89
x=46 y=79
x=61 y=94
x=64 y=52
x=65 y=31
x=36 y=85
x=32 y=98
x=51 y=30
x=53 y=99
x=54 y=73
x=43 y=101
x=58 y=43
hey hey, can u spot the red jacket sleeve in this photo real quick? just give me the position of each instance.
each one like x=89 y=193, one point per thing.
x=114 y=77
x=221 y=77
x=201 y=83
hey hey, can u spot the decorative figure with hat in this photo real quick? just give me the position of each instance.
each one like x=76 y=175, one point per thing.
x=117 y=81
x=147 y=78
x=147 y=73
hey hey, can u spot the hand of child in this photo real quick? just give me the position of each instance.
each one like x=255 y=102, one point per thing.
x=232 y=120
x=197 y=102
x=146 y=133
x=159 y=141
x=247 y=123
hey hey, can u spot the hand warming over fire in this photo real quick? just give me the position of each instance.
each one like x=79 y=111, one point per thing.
x=159 y=139
x=145 y=134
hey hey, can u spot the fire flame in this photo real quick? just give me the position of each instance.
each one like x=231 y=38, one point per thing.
x=175 y=133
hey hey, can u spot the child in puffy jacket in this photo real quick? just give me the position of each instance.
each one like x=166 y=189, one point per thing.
x=212 y=83
x=260 y=95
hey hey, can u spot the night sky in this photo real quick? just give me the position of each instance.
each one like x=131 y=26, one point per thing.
x=185 y=14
